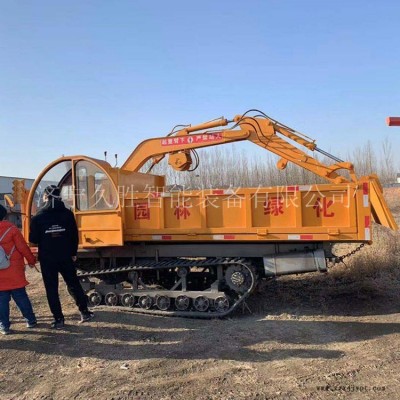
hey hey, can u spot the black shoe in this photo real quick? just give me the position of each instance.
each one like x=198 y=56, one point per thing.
x=31 y=325
x=5 y=331
x=86 y=316
x=57 y=323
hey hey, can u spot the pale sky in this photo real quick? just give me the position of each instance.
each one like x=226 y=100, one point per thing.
x=82 y=77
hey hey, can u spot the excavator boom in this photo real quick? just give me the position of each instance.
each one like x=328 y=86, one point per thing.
x=260 y=130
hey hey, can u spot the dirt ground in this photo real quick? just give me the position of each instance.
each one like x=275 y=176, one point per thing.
x=297 y=343
x=312 y=336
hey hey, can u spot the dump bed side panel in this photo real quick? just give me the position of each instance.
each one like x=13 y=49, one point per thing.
x=288 y=213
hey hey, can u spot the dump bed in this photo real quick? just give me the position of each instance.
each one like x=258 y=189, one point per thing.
x=335 y=213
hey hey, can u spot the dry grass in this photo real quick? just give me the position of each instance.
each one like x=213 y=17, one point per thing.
x=392 y=197
x=374 y=271
x=364 y=283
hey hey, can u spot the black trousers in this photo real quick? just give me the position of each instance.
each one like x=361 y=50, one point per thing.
x=50 y=271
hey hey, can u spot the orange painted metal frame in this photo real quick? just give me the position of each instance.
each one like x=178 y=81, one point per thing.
x=277 y=218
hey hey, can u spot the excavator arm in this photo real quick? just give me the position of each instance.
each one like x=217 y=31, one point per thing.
x=260 y=129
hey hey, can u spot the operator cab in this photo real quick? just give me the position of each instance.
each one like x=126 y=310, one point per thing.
x=92 y=187
x=87 y=189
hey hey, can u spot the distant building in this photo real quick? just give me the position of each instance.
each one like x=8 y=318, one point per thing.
x=6 y=186
x=398 y=178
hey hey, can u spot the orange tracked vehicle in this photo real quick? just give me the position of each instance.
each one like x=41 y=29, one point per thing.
x=201 y=252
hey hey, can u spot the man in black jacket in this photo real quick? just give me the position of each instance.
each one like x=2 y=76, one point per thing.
x=55 y=232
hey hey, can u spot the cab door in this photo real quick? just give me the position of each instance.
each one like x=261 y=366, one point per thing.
x=97 y=208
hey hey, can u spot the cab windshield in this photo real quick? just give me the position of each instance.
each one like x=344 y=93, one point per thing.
x=61 y=176
x=93 y=188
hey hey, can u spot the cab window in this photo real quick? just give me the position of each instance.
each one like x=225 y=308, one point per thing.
x=94 y=189
x=61 y=176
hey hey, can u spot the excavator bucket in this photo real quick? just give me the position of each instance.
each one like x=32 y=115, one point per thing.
x=379 y=208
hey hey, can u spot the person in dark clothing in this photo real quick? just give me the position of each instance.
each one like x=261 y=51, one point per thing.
x=53 y=229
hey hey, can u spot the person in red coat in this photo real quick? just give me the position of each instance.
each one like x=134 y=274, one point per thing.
x=12 y=279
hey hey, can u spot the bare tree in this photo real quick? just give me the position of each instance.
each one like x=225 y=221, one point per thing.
x=230 y=166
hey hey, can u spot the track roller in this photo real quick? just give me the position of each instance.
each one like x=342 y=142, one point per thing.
x=145 y=302
x=111 y=299
x=128 y=300
x=94 y=298
x=221 y=304
x=163 y=302
x=182 y=303
x=201 y=303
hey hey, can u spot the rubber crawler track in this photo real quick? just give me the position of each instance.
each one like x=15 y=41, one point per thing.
x=176 y=263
